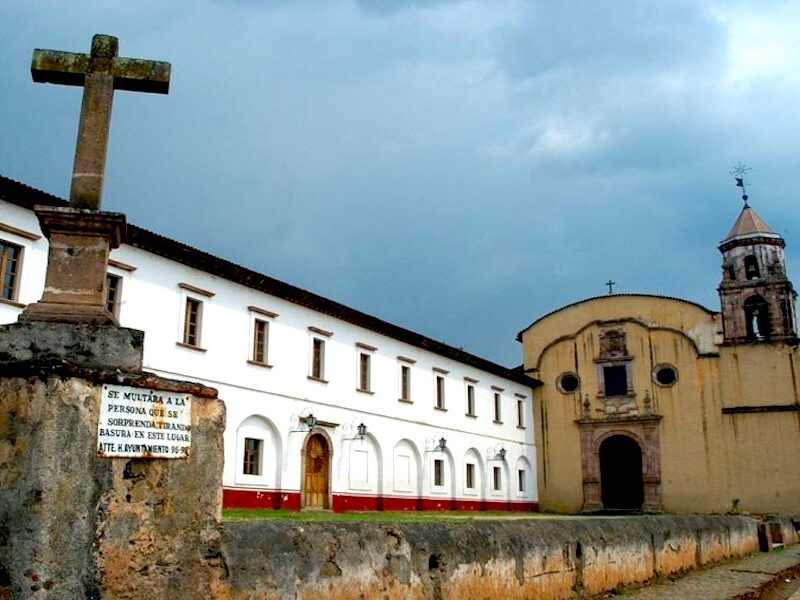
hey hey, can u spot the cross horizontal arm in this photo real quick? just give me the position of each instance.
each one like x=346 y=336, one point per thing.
x=138 y=75
x=70 y=68
x=55 y=66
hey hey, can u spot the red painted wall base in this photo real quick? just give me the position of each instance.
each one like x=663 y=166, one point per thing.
x=243 y=498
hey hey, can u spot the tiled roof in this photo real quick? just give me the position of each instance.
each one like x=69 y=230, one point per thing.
x=23 y=195
x=749 y=224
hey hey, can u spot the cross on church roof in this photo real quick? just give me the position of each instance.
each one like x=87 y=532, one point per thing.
x=611 y=285
x=100 y=73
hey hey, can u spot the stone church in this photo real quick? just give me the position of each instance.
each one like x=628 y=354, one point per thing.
x=660 y=404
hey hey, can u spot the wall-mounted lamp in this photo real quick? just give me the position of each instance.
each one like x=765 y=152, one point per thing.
x=360 y=430
x=502 y=453
x=310 y=421
x=442 y=444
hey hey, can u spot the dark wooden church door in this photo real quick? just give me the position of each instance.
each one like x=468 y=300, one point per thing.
x=621 y=482
x=317 y=473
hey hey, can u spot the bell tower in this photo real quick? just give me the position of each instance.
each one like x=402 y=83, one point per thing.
x=757 y=298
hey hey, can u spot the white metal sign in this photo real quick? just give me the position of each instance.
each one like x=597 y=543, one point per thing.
x=141 y=422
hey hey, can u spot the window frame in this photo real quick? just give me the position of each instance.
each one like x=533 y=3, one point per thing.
x=439 y=391
x=521 y=406
x=405 y=383
x=192 y=294
x=16 y=274
x=259 y=315
x=497 y=479
x=317 y=363
x=260 y=342
x=247 y=457
x=498 y=407
x=189 y=338
x=469 y=476
x=438 y=473
x=113 y=305
x=566 y=375
x=470 y=399
x=664 y=366
x=364 y=374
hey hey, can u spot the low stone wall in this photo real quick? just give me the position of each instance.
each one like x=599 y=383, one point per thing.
x=547 y=559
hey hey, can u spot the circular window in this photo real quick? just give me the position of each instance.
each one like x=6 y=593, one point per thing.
x=665 y=375
x=568 y=383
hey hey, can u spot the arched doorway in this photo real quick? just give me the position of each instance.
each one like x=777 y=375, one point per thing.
x=316 y=472
x=621 y=483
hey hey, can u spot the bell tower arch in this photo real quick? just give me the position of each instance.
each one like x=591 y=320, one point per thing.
x=756 y=296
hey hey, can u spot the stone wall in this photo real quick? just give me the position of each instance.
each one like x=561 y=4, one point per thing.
x=544 y=559
x=76 y=525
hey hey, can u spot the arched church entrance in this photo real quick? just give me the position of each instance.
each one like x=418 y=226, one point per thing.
x=316 y=472
x=621 y=481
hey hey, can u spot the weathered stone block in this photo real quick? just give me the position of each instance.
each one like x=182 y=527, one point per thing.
x=103 y=347
x=75 y=525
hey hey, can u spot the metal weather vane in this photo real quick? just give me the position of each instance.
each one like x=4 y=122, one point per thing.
x=739 y=173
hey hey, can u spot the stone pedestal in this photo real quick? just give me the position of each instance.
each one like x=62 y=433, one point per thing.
x=80 y=241
x=74 y=524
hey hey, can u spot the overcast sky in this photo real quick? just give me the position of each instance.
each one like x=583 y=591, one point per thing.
x=456 y=167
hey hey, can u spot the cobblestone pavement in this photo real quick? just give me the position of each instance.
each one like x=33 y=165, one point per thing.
x=727 y=581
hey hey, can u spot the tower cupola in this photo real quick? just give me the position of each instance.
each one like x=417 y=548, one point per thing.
x=757 y=298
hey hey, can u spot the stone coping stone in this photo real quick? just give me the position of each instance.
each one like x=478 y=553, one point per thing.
x=78 y=344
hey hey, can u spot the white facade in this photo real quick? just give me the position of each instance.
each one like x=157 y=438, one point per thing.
x=394 y=465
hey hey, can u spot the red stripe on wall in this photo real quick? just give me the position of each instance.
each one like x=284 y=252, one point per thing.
x=243 y=498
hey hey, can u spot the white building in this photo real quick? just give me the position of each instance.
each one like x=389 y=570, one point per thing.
x=299 y=374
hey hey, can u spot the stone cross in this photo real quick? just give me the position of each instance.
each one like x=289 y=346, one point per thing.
x=100 y=73
x=81 y=235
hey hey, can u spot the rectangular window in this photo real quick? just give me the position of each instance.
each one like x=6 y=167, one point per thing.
x=440 y=392
x=252 y=456
x=10 y=255
x=113 y=293
x=470 y=476
x=318 y=359
x=521 y=479
x=191 y=322
x=497 y=478
x=405 y=383
x=260 y=340
x=470 y=400
x=520 y=412
x=363 y=372
x=497 y=412
x=616 y=380
x=438 y=472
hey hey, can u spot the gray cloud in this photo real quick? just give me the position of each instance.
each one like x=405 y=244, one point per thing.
x=456 y=167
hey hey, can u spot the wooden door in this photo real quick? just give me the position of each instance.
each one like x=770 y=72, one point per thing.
x=317 y=470
x=621 y=479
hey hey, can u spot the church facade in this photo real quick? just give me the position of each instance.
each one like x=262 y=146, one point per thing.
x=326 y=407
x=659 y=404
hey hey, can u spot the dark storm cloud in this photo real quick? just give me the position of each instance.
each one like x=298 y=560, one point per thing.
x=458 y=167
